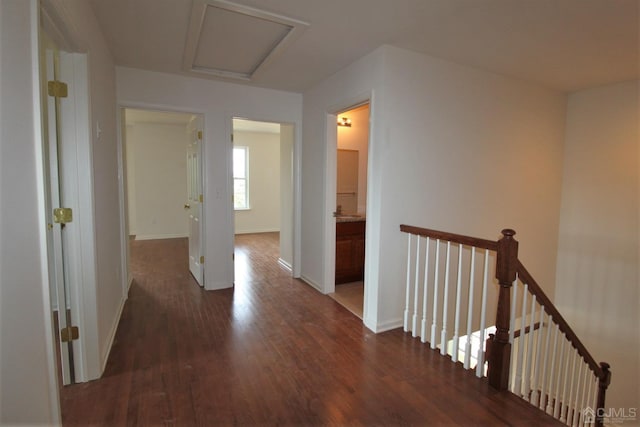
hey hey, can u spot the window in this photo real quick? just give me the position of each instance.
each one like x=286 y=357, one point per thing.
x=240 y=178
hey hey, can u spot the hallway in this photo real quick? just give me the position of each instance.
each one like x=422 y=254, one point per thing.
x=271 y=351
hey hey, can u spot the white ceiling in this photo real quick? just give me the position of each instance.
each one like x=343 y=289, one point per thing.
x=561 y=44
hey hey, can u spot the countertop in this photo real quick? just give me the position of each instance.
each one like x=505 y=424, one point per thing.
x=350 y=218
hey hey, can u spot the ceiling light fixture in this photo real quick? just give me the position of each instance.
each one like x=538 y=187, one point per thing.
x=344 y=121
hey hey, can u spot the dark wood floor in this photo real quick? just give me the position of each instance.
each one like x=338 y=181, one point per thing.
x=271 y=351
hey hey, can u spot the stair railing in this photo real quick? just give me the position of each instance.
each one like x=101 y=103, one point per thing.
x=531 y=351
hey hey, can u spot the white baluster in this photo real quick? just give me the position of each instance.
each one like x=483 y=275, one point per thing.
x=577 y=404
x=552 y=376
x=408 y=294
x=512 y=319
x=517 y=386
x=573 y=387
x=543 y=390
x=414 y=320
x=587 y=398
x=559 y=393
x=594 y=398
x=423 y=329
x=456 y=325
x=483 y=317
x=434 y=324
x=578 y=419
x=467 y=347
x=568 y=378
x=529 y=341
x=512 y=331
x=445 y=304
x=535 y=393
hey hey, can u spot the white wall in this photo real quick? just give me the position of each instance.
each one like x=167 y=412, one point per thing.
x=451 y=148
x=597 y=276
x=263 y=214
x=356 y=83
x=219 y=102
x=356 y=138
x=27 y=375
x=157 y=180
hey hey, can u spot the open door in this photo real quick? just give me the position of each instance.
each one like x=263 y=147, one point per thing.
x=58 y=211
x=195 y=198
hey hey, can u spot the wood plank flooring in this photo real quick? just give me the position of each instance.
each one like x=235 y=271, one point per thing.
x=270 y=351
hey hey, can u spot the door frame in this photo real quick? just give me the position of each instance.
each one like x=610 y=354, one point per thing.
x=297 y=188
x=372 y=245
x=124 y=217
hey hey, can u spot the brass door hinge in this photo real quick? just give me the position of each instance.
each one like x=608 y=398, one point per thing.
x=232 y=138
x=70 y=333
x=62 y=215
x=57 y=88
x=201 y=198
x=200 y=135
x=202 y=260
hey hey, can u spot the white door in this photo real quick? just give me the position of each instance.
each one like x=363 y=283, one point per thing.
x=57 y=236
x=195 y=199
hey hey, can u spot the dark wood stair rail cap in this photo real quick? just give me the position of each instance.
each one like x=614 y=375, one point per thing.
x=450 y=237
x=564 y=327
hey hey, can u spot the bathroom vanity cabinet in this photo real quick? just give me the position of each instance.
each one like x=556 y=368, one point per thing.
x=350 y=250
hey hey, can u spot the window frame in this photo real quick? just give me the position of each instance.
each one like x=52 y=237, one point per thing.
x=247 y=205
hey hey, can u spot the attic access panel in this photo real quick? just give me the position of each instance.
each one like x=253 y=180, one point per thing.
x=234 y=41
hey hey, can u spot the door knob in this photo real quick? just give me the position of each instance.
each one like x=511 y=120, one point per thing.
x=187 y=206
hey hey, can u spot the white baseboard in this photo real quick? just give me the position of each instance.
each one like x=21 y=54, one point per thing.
x=214 y=286
x=258 y=230
x=311 y=283
x=388 y=325
x=160 y=236
x=285 y=264
x=112 y=336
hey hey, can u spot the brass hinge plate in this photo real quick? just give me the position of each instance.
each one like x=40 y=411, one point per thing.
x=70 y=333
x=202 y=260
x=200 y=135
x=57 y=88
x=201 y=198
x=62 y=215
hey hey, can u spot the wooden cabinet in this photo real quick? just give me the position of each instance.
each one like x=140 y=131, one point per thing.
x=350 y=251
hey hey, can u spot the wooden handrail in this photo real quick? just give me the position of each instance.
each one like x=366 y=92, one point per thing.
x=551 y=310
x=450 y=237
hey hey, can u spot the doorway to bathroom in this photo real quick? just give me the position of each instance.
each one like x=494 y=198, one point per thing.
x=352 y=151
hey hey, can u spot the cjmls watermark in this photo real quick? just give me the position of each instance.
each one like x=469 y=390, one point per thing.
x=609 y=415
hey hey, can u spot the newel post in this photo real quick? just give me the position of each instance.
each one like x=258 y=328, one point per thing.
x=498 y=346
x=603 y=384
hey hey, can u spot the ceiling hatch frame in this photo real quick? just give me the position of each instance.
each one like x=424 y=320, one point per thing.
x=291 y=29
